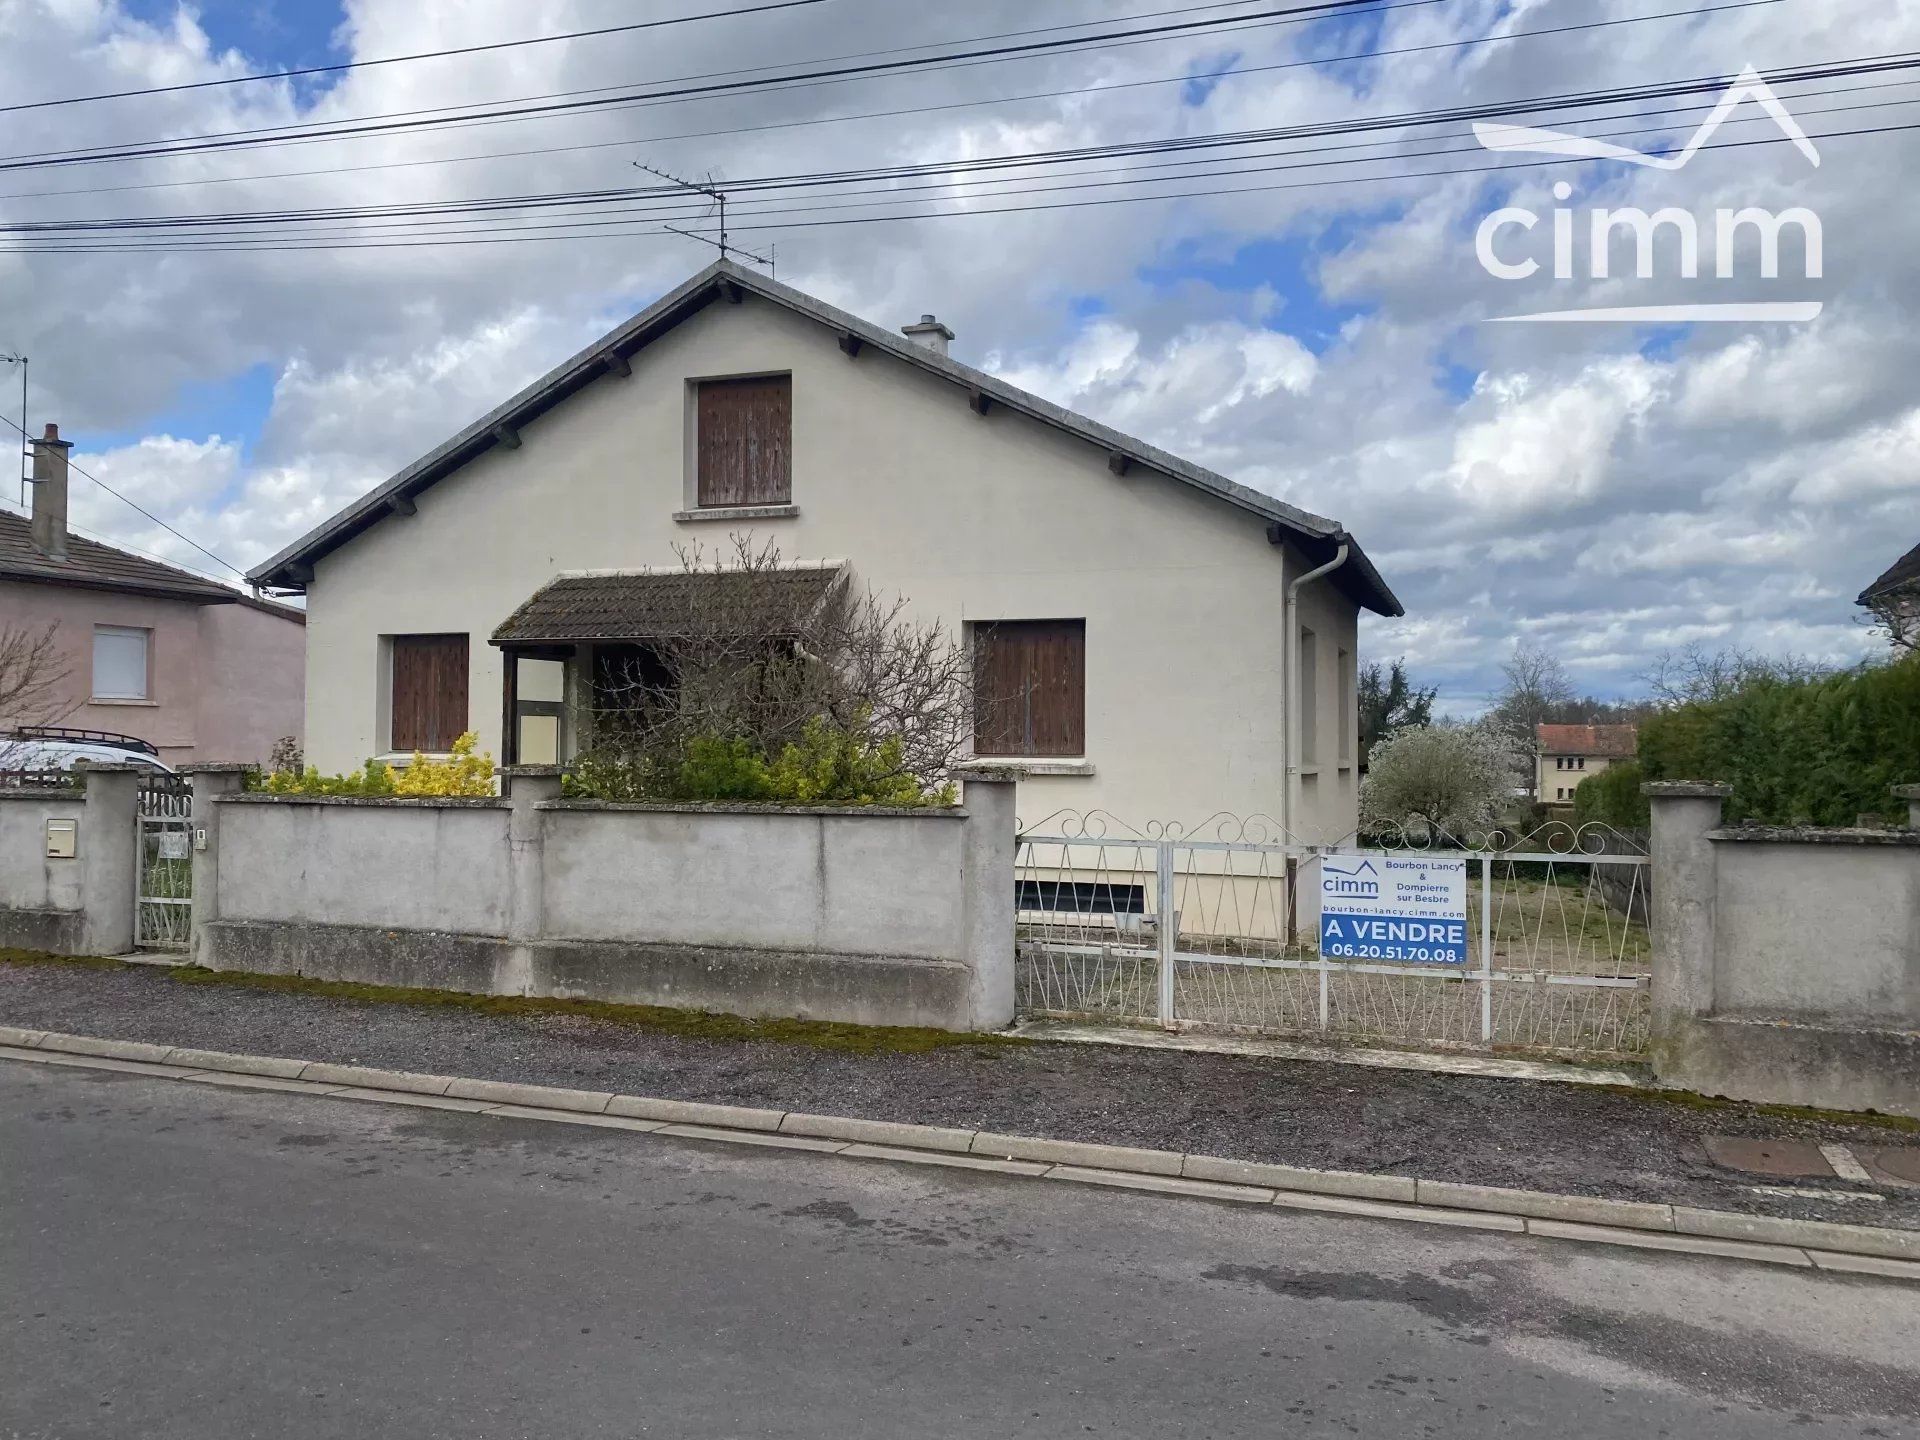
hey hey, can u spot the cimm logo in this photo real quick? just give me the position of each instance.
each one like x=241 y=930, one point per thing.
x=1362 y=880
x=1502 y=247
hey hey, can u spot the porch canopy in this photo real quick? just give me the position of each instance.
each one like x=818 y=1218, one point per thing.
x=583 y=615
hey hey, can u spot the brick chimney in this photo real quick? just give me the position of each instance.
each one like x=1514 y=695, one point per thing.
x=930 y=333
x=50 y=494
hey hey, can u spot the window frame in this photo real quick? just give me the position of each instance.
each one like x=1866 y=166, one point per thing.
x=700 y=497
x=144 y=633
x=396 y=646
x=1071 y=724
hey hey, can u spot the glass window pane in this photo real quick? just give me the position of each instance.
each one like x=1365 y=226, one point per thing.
x=542 y=681
x=119 y=662
x=539 y=739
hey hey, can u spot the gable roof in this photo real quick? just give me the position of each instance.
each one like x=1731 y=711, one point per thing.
x=1615 y=742
x=1316 y=536
x=101 y=567
x=1903 y=574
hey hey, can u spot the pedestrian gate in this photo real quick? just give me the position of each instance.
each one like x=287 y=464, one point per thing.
x=163 y=906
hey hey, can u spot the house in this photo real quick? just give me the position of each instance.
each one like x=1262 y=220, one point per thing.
x=1176 y=644
x=196 y=669
x=1568 y=754
x=1894 y=601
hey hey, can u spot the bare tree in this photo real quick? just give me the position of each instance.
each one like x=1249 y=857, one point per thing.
x=33 y=680
x=1697 y=676
x=1536 y=691
x=751 y=649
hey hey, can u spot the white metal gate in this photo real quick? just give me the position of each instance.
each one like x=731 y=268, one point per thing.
x=1217 y=930
x=163 y=905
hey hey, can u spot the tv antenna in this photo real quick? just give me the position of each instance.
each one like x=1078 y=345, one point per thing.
x=719 y=197
x=14 y=358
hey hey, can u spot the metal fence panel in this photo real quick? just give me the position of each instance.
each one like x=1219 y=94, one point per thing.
x=1559 y=959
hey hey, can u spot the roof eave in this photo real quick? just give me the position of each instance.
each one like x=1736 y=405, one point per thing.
x=698 y=291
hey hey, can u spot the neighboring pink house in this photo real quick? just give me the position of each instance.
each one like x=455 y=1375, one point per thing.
x=201 y=671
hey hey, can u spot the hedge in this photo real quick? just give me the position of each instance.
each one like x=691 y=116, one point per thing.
x=1822 y=752
x=1613 y=798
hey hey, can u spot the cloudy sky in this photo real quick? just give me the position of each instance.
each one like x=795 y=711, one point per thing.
x=1307 y=315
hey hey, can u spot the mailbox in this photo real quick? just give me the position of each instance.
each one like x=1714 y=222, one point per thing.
x=63 y=839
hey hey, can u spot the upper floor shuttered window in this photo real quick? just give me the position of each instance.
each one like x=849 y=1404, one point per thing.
x=744 y=441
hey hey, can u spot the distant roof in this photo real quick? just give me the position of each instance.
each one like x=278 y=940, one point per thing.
x=101 y=567
x=1615 y=742
x=1903 y=574
x=1318 y=537
x=602 y=605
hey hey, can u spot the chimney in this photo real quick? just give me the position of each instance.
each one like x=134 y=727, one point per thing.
x=50 y=494
x=930 y=333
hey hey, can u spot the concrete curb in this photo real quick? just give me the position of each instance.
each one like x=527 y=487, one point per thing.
x=1855 y=1249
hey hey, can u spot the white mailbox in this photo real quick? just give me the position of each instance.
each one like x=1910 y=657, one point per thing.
x=63 y=839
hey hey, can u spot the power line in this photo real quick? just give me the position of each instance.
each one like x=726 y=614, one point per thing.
x=148 y=513
x=192 y=145
x=1180 y=79
x=346 y=65
x=455 y=211
x=268 y=246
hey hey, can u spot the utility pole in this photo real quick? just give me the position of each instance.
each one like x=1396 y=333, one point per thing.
x=719 y=197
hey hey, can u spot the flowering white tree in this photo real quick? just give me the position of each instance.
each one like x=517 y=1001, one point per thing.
x=1444 y=779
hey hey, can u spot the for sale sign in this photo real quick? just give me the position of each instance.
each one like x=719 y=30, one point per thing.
x=1397 y=909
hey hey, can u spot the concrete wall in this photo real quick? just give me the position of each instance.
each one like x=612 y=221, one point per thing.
x=869 y=916
x=223 y=681
x=1788 y=960
x=970 y=518
x=83 y=905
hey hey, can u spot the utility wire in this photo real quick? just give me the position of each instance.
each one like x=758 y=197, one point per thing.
x=1181 y=79
x=944 y=171
x=135 y=505
x=202 y=144
x=346 y=65
x=180 y=246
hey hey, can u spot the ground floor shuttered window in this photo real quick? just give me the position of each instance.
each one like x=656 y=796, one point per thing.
x=1030 y=681
x=429 y=692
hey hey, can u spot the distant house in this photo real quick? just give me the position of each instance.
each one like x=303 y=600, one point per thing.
x=1157 y=640
x=1568 y=754
x=1894 y=600
x=196 y=669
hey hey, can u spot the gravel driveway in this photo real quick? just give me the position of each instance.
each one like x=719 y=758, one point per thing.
x=1529 y=1134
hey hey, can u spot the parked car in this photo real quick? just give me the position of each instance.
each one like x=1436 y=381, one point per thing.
x=44 y=748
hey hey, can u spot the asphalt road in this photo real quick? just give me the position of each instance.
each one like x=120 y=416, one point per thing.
x=188 y=1260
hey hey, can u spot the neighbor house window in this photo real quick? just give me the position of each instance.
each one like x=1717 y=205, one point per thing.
x=1030 y=687
x=743 y=442
x=429 y=692
x=120 y=654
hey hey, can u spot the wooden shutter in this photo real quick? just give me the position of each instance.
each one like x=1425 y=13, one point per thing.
x=744 y=431
x=1030 y=680
x=429 y=692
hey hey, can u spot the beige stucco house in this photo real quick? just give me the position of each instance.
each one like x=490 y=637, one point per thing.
x=1568 y=754
x=1189 y=643
x=196 y=669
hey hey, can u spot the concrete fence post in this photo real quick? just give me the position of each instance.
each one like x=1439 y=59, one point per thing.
x=1910 y=794
x=209 y=782
x=989 y=850
x=110 y=857
x=1683 y=884
x=525 y=787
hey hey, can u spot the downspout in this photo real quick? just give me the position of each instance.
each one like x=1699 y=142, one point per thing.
x=1289 y=647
